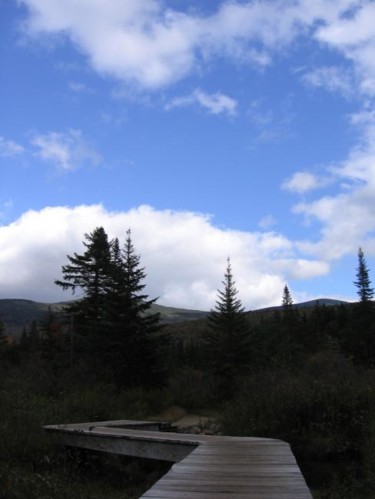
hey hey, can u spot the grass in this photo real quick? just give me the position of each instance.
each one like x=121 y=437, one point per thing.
x=32 y=466
x=325 y=411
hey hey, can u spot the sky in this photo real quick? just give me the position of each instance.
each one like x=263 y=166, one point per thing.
x=240 y=129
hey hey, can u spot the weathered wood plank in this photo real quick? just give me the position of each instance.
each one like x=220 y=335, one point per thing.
x=207 y=467
x=151 y=494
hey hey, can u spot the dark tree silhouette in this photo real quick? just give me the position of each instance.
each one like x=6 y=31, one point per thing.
x=228 y=337
x=287 y=298
x=115 y=329
x=135 y=341
x=363 y=282
x=89 y=275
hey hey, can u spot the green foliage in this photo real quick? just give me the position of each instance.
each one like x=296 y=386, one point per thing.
x=326 y=421
x=33 y=467
x=228 y=337
x=363 y=282
x=115 y=331
x=287 y=300
x=304 y=376
x=133 y=343
x=193 y=389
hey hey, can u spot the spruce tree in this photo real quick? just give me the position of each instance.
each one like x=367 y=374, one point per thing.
x=289 y=312
x=113 y=325
x=360 y=338
x=135 y=339
x=363 y=282
x=287 y=298
x=228 y=337
x=89 y=274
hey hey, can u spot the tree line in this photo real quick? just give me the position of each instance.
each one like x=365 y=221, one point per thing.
x=302 y=375
x=112 y=332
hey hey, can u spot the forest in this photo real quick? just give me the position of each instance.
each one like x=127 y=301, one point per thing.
x=303 y=375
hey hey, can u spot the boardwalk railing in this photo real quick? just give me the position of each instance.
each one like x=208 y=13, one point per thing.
x=206 y=467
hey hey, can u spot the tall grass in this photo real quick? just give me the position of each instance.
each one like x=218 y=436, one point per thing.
x=32 y=466
x=326 y=412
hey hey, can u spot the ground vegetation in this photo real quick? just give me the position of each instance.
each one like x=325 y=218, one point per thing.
x=306 y=376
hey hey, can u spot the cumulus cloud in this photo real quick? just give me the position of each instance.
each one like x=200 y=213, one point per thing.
x=9 y=148
x=304 y=181
x=348 y=218
x=151 y=43
x=216 y=103
x=65 y=150
x=354 y=37
x=183 y=252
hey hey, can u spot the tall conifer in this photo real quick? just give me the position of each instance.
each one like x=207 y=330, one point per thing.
x=134 y=338
x=228 y=338
x=113 y=323
x=363 y=282
x=88 y=274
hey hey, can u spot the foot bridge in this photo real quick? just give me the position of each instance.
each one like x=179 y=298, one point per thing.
x=206 y=466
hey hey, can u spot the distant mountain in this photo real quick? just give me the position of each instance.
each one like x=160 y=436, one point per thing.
x=16 y=314
x=327 y=302
x=171 y=314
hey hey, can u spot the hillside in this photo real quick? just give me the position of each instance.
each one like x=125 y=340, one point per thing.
x=16 y=314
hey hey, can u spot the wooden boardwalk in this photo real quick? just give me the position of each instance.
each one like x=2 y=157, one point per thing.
x=206 y=467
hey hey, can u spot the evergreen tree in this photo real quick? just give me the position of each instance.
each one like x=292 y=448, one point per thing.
x=229 y=338
x=287 y=302
x=290 y=313
x=112 y=322
x=363 y=282
x=89 y=273
x=360 y=336
x=135 y=339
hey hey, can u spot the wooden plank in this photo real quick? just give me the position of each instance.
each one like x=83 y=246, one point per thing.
x=151 y=494
x=207 y=467
x=132 y=446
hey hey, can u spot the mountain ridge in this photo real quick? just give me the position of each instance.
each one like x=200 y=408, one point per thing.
x=18 y=313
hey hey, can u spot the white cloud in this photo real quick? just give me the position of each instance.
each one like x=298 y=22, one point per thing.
x=217 y=103
x=331 y=78
x=152 y=44
x=354 y=37
x=183 y=252
x=304 y=181
x=272 y=124
x=6 y=207
x=65 y=150
x=267 y=222
x=9 y=148
x=348 y=218
x=77 y=87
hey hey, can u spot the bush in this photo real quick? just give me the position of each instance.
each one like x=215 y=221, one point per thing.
x=324 y=412
x=32 y=466
x=192 y=389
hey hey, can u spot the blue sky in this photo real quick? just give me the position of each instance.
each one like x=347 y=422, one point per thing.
x=211 y=129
